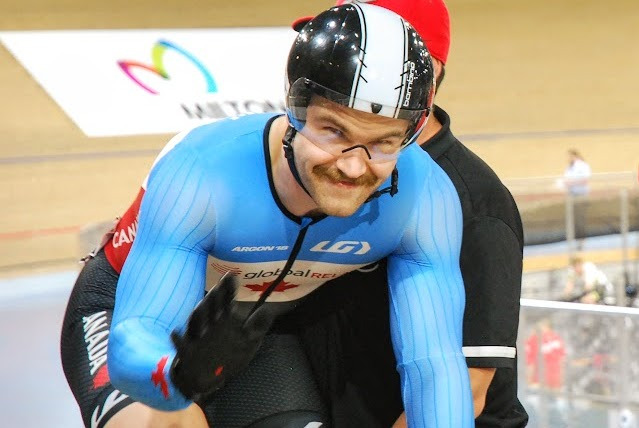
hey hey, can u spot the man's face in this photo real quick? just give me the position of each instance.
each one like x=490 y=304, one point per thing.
x=340 y=183
x=572 y=157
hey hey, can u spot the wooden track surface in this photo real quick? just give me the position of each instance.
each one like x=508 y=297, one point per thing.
x=525 y=81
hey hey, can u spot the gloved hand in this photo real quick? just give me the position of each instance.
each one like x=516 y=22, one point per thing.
x=218 y=343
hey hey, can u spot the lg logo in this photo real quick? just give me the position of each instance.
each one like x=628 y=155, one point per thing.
x=343 y=247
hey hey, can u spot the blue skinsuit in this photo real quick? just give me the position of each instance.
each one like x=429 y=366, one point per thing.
x=210 y=207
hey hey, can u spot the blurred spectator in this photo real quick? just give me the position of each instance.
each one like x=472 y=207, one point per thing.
x=593 y=340
x=577 y=174
x=596 y=378
x=553 y=352
x=576 y=182
x=627 y=419
x=631 y=296
x=586 y=283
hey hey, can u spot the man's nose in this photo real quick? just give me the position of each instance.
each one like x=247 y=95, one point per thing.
x=353 y=164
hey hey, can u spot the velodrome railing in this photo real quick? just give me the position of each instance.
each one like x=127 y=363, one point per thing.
x=579 y=364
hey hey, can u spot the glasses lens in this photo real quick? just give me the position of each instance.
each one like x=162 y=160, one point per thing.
x=303 y=91
x=333 y=141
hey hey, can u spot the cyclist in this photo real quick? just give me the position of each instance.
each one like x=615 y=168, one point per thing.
x=270 y=207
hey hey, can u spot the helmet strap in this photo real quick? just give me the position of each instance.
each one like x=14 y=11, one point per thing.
x=392 y=189
x=287 y=141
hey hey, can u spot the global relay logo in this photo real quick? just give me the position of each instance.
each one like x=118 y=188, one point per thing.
x=157 y=55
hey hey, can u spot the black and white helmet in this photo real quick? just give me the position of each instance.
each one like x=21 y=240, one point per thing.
x=364 y=57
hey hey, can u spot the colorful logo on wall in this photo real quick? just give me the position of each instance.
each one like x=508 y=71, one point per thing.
x=158 y=67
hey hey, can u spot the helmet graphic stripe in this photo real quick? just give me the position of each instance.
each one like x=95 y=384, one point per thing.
x=381 y=75
x=404 y=73
x=362 y=52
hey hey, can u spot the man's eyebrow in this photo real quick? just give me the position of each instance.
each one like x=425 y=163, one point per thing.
x=397 y=134
x=330 y=117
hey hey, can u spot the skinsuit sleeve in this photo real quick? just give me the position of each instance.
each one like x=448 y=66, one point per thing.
x=427 y=307
x=162 y=280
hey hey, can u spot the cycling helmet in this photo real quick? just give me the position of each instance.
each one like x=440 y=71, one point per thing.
x=364 y=57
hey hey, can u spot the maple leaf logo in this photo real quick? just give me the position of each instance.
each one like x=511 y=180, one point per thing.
x=282 y=286
x=158 y=377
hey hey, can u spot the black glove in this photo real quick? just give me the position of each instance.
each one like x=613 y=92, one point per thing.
x=218 y=343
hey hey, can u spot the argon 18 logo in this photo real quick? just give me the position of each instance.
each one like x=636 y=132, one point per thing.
x=343 y=247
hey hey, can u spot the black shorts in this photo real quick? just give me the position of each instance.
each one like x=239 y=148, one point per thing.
x=278 y=386
x=345 y=331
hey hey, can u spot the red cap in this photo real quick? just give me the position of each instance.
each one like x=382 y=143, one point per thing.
x=429 y=17
x=299 y=23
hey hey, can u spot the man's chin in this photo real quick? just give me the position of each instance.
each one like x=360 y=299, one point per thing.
x=340 y=208
x=339 y=212
x=339 y=201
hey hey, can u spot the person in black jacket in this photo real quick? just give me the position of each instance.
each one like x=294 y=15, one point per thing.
x=350 y=349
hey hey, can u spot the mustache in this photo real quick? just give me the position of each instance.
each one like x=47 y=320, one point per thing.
x=335 y=175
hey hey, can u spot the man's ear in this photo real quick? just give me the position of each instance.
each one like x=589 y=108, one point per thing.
x=440 y=71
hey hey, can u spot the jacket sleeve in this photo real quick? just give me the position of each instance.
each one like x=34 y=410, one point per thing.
x=427 y=308
x=491 y=262
x=162 y=279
